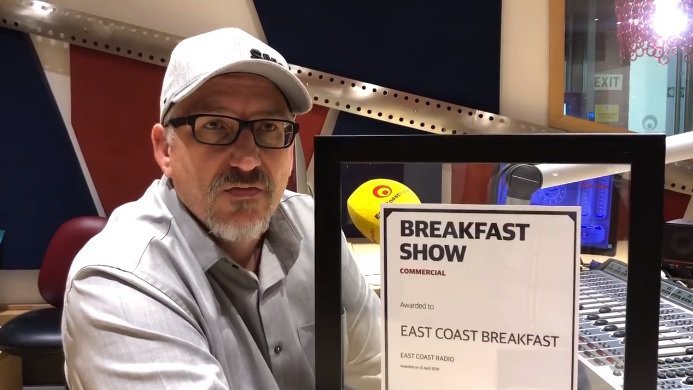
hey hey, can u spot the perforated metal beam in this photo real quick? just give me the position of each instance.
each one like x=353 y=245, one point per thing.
x=678 y=176
x=406 y=109
x=81 y=29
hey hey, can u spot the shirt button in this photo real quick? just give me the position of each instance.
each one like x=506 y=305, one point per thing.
x=278 y=349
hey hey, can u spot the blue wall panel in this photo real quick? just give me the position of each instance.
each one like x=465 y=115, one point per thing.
x=41 y=183
x=445 y=50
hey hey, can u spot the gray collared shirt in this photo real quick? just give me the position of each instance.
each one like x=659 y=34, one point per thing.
x=153 y=303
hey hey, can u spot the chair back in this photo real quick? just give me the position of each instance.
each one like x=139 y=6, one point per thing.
x=70 y=237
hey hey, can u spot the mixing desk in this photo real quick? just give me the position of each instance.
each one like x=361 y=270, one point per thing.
x=602 y=330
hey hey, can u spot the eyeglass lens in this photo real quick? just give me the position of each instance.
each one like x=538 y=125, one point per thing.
x=272 y=133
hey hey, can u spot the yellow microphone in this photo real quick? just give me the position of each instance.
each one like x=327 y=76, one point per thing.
x=364 y=203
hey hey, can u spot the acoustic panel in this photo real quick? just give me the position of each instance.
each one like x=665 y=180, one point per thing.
x=41 y=183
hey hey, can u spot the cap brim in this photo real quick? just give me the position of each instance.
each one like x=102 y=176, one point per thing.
x=293 y=89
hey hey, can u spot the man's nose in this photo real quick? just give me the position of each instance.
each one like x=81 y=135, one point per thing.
x=245 y=154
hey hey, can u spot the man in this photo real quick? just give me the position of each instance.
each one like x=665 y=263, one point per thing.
x=207 y=281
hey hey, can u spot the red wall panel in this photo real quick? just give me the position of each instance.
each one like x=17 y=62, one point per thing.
x=114 y=105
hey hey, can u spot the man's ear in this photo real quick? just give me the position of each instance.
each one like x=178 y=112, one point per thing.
x=162 y=150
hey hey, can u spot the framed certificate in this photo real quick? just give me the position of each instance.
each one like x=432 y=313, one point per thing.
x=643 y=154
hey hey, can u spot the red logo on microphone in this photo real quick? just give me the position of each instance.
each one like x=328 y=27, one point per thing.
x=381 y=191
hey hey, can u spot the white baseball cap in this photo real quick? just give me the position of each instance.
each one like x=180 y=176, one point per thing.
x=199 y=58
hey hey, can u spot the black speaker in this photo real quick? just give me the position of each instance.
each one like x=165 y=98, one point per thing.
x=677 y=240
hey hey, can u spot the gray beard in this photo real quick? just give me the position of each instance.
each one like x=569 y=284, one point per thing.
x=235 y=231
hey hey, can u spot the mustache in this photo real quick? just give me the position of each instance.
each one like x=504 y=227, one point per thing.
x=235 y=176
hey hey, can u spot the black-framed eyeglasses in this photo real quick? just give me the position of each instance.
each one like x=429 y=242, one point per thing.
x=212 y=129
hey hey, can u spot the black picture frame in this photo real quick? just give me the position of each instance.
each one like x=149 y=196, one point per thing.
x=643 y=152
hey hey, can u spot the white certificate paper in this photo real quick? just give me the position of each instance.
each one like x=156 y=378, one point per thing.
x=480 y=296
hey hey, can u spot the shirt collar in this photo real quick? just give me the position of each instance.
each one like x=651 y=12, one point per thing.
x=194 y=233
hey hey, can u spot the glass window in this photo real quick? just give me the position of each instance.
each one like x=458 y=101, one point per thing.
x=625 y=66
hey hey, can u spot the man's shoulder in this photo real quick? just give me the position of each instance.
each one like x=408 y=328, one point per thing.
x=129 y=231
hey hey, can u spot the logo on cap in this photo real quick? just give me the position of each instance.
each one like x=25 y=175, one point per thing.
x=257 y=54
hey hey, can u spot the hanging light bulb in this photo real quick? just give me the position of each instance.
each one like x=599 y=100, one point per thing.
x=669 y=19
x=657 y=28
